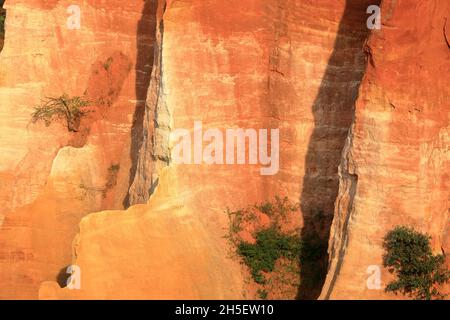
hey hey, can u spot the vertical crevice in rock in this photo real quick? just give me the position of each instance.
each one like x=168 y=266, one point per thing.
x=146 y=32
x=445 y=34
x=344 y=205
x=333 y=111
x=154 y=150
x=362 y=219
x=2 y=24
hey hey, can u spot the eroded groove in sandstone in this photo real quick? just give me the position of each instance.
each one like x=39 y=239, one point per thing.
x=153 y=153
x=445 y=34
x=344 y=204
x=396 y=150
x=147 y=56
x=2 y=21
x=294 y=65
x=50 y=178
x=333 y=113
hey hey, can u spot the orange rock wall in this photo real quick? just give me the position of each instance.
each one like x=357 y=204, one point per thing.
x=248 y=64
x=157 y=66
x=395 y=166
x=50 y=178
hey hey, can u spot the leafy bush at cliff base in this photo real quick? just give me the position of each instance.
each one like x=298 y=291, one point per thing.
x=270 y=245
x=275 y=250
x=278 y=251
x=409 y=257
x=63 y=107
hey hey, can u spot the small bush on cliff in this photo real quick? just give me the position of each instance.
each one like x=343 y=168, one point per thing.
x=409 y=257
x=63 y=107
x=270 y=245
x=266 y=238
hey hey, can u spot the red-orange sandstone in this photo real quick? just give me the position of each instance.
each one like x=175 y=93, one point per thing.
x=152 y=67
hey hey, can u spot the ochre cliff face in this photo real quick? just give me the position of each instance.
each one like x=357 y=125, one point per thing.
x=395 y=165
x=171 y=248
x=245 y=64
x=50 y=178
x=153 y=67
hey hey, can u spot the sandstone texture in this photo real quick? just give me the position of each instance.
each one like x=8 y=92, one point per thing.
x=395 y=164
x=172 y=248
x=362 y=118
x=50 y=178
x=271 y=70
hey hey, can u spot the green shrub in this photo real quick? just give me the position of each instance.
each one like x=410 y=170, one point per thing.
x=2 y=22
x=278 y=209
x=63 y=107
x=270 y=245
x=409 y=257
x=273 y=257
x=262 y=294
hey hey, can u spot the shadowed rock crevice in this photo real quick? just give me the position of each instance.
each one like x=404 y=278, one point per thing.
x=153 y=152
x=146 y=31
x=62 y=277
x=333 y=111
x=47 y=216
x=2 y=24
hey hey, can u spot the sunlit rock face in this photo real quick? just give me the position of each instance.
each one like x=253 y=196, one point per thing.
x=395 y=165
x=50 y=178
x=153 y=68
x=294 y=66
x=171 y=248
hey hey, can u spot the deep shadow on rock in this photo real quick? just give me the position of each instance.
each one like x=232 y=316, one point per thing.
x=144 y=64
x=333 y=111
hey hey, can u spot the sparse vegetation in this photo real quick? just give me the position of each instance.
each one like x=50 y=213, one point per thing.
x=409 y=257
x=63 y=107
x=108 y=63
x=271 y=244
x=2 y=22
x=266 y=238
x=273 y=256
x=111 y=182
x=2 y=16
x=262 y=294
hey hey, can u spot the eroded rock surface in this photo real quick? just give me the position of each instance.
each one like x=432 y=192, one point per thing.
x=395 y=166
x=241 y=64
x=50 y=177
x=157 y=66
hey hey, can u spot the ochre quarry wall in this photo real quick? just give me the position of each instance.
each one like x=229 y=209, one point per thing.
x=292 y=65
x=50 y=178
x=110 y=198
x=395 y=166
